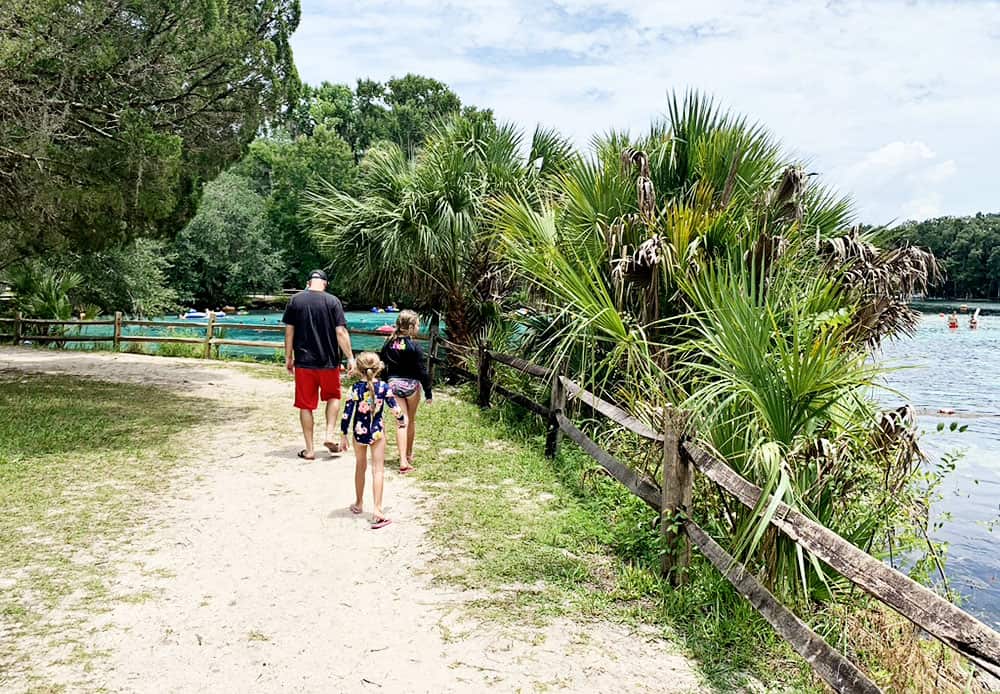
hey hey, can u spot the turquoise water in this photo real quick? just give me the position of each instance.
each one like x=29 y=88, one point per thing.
x=357 y=320
x=960 y=370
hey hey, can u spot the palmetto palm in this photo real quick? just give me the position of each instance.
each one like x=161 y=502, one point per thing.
x=420 y=227
x=694 y=266
x=637 y=216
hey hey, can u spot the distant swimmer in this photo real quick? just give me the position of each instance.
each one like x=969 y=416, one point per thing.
x=953 y=320
x=974 y=320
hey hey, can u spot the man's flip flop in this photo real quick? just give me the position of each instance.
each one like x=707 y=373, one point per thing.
x=302 y=454
x=332 y=447
x=381 y=523
x=355 y=509
x=406 y=470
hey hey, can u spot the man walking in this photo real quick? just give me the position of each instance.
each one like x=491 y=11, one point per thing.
x=315 y=336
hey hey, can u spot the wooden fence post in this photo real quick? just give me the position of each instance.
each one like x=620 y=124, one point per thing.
x=676 y=499
x=485 y=375
x=17 y=328
x=209 y=331
x=557 y=403
x=118 y=330
x=432 y=352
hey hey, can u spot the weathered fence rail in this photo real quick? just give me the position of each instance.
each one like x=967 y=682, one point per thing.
x=213 y=337
x=672 y=498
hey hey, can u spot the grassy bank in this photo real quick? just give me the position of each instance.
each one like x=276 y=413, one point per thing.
x=555 y=538
x=558 y=537
x=78 y=458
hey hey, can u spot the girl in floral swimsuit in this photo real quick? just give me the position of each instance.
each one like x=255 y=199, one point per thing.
x=363 y=416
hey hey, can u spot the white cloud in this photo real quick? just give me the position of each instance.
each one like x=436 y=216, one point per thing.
x=939 y=173
x=909 y=172
x=922 y=207
x=885 y=99
x=897 y=154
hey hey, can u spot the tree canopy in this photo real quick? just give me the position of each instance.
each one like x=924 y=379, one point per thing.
x=113 y=113
x=281 y=169
x=225 y=253
x=403 y=110
x=418 y=227
x=967 y=247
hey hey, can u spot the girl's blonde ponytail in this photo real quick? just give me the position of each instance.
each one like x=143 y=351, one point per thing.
x=370 y=377
x=370 y=366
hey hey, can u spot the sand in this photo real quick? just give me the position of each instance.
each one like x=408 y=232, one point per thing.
x=259 y=578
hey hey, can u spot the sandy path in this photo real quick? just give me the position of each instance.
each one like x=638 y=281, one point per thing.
x=261 y=580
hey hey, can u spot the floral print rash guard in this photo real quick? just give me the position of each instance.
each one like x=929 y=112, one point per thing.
x=367 y=414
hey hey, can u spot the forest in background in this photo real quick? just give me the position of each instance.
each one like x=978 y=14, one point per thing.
x=968 y=249
x=116 y=123
x=111 y=188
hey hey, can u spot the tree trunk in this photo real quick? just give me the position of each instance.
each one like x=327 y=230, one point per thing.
x=458 y=326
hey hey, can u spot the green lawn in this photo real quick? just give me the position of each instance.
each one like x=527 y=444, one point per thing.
x=559 y=538
x=77 y=459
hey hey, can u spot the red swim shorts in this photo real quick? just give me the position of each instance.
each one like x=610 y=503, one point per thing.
x=313 y=384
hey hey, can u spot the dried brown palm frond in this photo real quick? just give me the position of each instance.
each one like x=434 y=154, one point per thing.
x=785 y=199
x=767 y=249
x=883 y=280
x=646 y=193
x=649 y=254
x=896 y=431
x=632 y=157
x=647 y=196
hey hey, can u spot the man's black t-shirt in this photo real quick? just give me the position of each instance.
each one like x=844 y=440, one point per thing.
x=315 y=316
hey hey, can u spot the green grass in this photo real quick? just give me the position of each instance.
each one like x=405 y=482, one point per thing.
x=549 y=538
x=78 y=458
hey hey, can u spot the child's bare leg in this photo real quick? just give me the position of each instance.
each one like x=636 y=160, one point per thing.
x=411 y=429
x=360 y=464
x=401 y=442
x=378 y=475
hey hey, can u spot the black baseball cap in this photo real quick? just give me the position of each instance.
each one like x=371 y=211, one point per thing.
x=318 y=275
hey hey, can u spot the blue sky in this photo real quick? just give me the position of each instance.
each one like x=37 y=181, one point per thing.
x=895 y=102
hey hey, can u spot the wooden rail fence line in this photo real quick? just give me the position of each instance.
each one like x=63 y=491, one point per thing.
x=213 y=338
x=672 y=498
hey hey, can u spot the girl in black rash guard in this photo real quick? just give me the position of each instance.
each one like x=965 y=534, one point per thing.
x=406 y=371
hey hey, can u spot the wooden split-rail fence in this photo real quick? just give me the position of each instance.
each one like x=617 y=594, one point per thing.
x=671 y=497
x=37 y=330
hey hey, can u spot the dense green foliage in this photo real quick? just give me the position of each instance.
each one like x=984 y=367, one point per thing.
x=44 y=292
x=418 y=228
x=281 y=169
x=224 y=253
x=403 y=110
x=968 y=248
x=132 y=278
x=315 y=144
x=693 y=267
x=112 y=114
